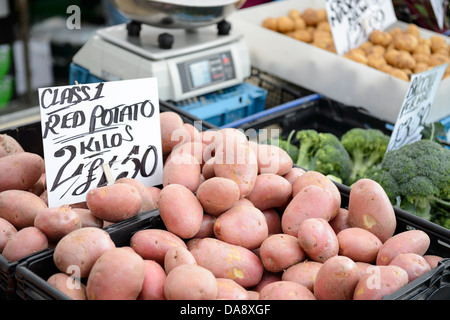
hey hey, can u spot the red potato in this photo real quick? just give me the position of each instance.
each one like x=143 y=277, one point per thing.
x=379 y=281
x=153 y=285
x=228 y=138
x=363 y=266
x=252 y=295
x=180 y=210
x=24 y=242
x=7 y=230
x=20 y=207
x=217 y=195
x=410 y=241
x=359 y=244
x=243 y=202
x=44 y=197
x=118 y=274
x=128 y=248
x=9 y=145
x=56 y=222
x=311 y=202
x=81 y=248
x=340 y=221
x=230 y=290
x=194 y=148
x=194 y=132
x=176 y=256
x=293 y=174
x=191 y=243
x=280 y=251
x=40 y=186
x=114 y=202
x=173 y=131
x=149 y=194
x=242 y=225
x=208 y=169
x=370 y=208
x=270 y=191
x=432 y=260
x=267 y=277
x=183 y=169
x=238 y=163
x=152 y=244
x=190 y=282
x=107 y=224
x=87 y=218
x=285 y=290
x=70 y=286
x=208 y=136
x=226 y=260
x=318 y=179
x=303 y=272
x=273 y=221
x=273 y=159
x=225 y=139
x=336 y=279
x=207 y=227
x=317 y=239
x=20 y=171
x=414 y=264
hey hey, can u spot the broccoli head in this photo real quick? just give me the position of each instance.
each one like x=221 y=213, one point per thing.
x=366 y=148
x=323 y=152
x=416 y=176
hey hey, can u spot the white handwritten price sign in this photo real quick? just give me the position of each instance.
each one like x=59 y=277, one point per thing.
x=94 y=134
x=352 y=21
x=416 y=106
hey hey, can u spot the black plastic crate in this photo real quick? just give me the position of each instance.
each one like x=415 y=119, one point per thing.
x=7 y=275
x=31 y=275
x=316 y=112
x=279 y=91
x=434 y=285
x=30 y=138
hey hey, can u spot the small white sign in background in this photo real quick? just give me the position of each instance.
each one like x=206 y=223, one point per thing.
x=352 y=21
x=96 y=133
x=438 y=8
x=416 y=106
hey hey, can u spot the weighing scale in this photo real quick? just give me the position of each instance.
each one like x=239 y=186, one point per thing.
x=188 y=62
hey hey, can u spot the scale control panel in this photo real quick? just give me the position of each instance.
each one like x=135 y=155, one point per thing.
x=205 y=71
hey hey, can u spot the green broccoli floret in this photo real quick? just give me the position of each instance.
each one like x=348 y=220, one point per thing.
x=416 y=177
x=323 y=152
x=366 y=148
x=308 y=144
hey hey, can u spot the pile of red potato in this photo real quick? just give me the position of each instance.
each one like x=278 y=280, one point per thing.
x=241 y=223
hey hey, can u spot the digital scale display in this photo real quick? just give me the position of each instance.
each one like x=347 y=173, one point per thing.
x=206 y=71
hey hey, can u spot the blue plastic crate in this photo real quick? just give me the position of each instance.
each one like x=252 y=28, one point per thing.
x=226 y=105
x=78 y=74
